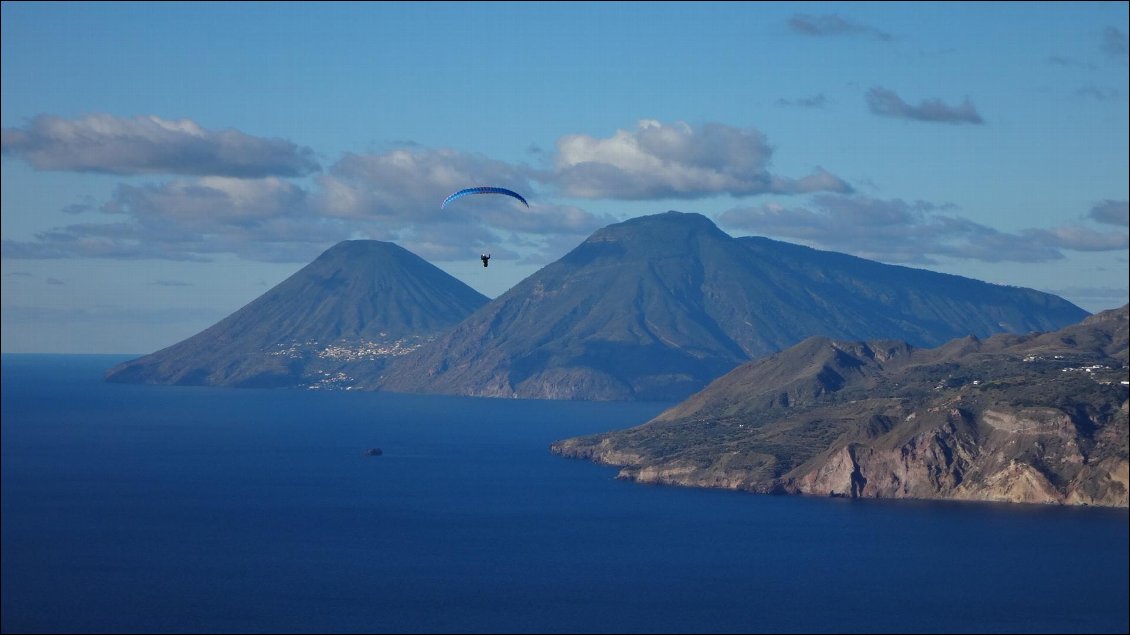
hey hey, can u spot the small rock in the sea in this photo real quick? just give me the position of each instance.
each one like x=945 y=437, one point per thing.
x=373 y=452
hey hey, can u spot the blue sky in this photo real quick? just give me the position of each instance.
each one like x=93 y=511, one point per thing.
x=165 y=163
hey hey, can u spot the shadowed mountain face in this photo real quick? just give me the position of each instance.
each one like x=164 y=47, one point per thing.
x=357 y=305
x=656 y=307
x=1038 y=418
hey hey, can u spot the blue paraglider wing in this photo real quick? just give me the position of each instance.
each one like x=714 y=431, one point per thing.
x=484 y=190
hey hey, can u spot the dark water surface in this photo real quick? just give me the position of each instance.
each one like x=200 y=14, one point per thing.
x=163 y=509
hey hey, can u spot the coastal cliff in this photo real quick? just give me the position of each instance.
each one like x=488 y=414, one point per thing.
x=1025 y=419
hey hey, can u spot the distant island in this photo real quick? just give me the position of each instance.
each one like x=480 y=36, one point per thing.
x=1036 y=418
x=653 y=308
x=345 y=315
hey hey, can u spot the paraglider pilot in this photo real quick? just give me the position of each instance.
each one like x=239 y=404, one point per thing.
x=485 y=258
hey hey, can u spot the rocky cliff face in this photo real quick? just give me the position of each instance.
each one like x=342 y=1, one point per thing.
x=985 y=460
x=1033 y=419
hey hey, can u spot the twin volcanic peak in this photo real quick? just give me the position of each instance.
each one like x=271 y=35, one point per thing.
x=652 y=308
x=357 y=305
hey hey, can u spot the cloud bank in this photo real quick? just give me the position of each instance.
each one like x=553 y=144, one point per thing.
x=151 y=145
x=192 y=219
x=393 y=196
x=916 y=232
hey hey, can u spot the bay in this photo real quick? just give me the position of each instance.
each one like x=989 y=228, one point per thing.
x=168 y=509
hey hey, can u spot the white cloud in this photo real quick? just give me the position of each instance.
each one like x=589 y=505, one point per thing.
x=209 y=202
x=408 y=184
x=657 y=161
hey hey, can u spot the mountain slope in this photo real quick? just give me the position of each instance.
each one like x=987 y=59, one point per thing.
x=1032 y=418
x=355 y=306
x=656 y=307
x=862 y=299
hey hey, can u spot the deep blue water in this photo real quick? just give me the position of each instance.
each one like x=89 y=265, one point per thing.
x=163 y=509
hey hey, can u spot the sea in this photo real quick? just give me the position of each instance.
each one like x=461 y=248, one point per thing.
x=160 y=509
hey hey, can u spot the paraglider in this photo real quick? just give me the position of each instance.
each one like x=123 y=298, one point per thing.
x=483 y=190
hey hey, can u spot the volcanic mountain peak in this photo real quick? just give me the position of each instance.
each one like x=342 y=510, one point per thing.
x=656 y=306
x=359 y=301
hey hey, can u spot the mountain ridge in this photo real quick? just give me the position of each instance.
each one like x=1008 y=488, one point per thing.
x=655 y=307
